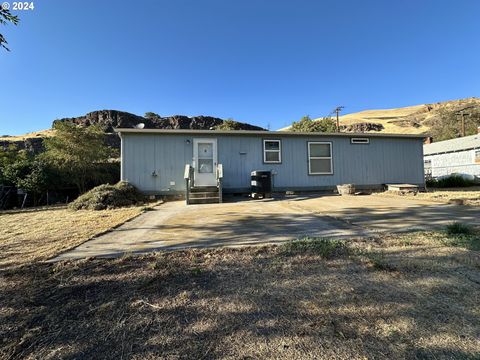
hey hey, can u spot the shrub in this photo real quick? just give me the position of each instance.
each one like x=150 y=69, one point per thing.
x=458 y=228
x=108 y=196
x=450 y=181
x=326 y=248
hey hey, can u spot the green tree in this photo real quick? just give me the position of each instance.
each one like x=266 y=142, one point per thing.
x=7 y=158
x=5 y=18
x=229 y=124
x=151 y=115
x=77 y=152
x=306 y=124
x=24 y=171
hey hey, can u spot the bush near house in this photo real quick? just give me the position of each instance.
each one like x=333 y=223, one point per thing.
x=108 y=196
x=450 y=182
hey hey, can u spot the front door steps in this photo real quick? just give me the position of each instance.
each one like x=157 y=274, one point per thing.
x=204 y=195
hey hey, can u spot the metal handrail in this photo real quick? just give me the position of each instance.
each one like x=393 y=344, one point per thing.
x=188 y=176
x=189 y=181
x=220 y=182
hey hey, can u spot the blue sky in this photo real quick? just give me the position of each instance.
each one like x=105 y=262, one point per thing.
x=266 y=62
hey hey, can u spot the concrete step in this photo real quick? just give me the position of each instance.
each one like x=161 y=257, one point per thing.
x=204 y=189
x=200 y=195
x=206 y=200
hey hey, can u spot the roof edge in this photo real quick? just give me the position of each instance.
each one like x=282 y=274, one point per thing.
x=264 y=133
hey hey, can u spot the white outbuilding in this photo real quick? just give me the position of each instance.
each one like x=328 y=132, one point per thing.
x=459 y=156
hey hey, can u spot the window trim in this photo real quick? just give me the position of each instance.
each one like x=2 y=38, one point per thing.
x=279 y=151
x=320 y=158
x=359 y=140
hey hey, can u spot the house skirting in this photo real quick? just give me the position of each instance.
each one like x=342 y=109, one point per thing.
x=316 y=189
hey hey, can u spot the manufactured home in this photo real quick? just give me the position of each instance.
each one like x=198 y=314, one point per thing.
x=460 y=156
x=164 y=162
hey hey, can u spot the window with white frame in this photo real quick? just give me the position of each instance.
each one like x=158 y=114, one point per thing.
x=320 y=158
x=272 y=151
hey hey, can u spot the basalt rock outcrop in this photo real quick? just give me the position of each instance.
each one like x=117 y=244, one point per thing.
x=34 y=145
x=110 y=119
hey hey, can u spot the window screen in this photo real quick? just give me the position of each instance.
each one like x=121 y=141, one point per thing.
x=272 y=151
x=320 y=158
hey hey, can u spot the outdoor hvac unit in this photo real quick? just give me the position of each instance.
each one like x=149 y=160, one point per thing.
x=261 y=182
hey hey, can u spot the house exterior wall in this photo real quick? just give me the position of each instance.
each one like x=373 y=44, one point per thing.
x=460 y=162
x=383 y=160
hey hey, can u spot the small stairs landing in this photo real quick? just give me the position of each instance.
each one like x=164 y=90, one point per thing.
x=404 y=188
x=204 y=195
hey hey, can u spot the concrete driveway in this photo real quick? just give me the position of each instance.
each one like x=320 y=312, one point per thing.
x=174 y=225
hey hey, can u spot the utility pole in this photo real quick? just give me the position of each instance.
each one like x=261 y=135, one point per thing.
x=462 y=113
x=463 y=122
x=337 y=111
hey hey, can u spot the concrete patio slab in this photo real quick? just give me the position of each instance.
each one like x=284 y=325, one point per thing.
x=174 y=225
x=389 y=214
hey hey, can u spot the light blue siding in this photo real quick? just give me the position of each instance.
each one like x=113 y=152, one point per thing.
x=384 y=160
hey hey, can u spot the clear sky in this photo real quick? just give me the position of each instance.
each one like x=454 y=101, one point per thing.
x=266 y=62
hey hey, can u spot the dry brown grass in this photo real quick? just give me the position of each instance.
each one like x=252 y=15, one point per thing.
x=387 y=117
x=470 y=195
x=400 y=120
x=41 y=133
x=408 y=296
x=30 y=236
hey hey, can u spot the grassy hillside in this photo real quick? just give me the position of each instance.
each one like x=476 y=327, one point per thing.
x=416 y=119
x=41 y=133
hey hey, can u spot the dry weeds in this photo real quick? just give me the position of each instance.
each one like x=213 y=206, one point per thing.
x=30 y=236
x=250 y=303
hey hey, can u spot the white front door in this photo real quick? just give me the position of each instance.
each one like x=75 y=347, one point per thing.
x=205 y=162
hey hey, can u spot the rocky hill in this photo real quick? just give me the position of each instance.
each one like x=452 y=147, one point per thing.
x=416 y=119
x=110 y=119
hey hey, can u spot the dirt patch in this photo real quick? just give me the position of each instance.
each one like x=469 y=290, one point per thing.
x=268 y=302
x=30 y=236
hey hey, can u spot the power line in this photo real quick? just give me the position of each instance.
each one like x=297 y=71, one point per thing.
x=337 y=111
